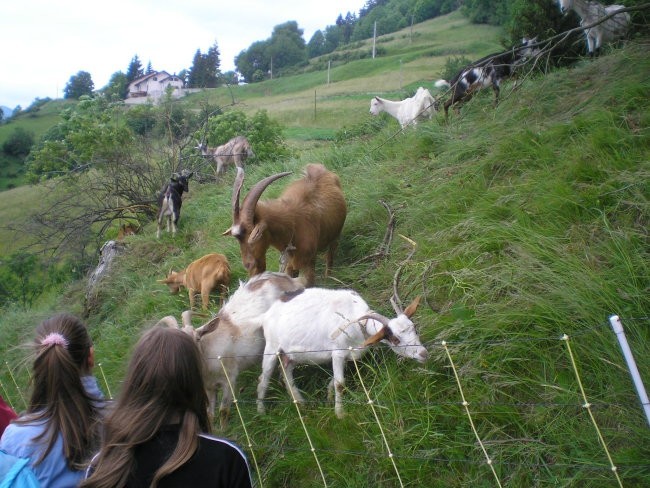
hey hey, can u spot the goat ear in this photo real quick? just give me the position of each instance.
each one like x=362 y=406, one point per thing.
x=410 y=310
x=257 y=232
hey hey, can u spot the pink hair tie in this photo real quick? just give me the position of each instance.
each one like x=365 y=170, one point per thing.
x=54 y=339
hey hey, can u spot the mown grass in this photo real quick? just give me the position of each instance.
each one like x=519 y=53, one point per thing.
x=530 y=221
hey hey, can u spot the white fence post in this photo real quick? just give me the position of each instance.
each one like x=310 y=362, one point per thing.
x=615 y=321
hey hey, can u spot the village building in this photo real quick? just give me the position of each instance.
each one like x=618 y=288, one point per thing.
x=153 y=86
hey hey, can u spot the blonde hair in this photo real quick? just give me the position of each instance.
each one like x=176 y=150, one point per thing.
x=163 y=385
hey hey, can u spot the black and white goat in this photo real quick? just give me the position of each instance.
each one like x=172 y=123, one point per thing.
x=170 y=200
x=487 y=71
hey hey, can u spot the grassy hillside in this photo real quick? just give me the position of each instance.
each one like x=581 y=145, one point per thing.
x=530 y=221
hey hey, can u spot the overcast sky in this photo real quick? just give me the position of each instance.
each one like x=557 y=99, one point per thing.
x=43 y=42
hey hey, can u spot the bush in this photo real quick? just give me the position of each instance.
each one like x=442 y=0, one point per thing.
x=141 y=119
x=19 y=143
x=264 y=134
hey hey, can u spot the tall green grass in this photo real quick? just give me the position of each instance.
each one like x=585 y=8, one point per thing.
x=530 y=221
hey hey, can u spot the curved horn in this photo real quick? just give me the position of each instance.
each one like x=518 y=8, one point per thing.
x=250 y=202
x=375 y=316
x=236 y=190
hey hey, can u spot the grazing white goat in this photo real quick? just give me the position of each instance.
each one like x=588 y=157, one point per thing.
x=590 y=12
x=407 y=111
x=235 y=333
x=320 y=326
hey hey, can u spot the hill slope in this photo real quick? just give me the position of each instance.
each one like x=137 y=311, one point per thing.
x=530 y=221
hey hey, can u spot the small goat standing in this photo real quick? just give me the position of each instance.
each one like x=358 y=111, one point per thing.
x=170 y=200
x=322 y=325
x=590 y=12
x=407 y=111
x=204 y=275
x=235 y=151
x=487 y=71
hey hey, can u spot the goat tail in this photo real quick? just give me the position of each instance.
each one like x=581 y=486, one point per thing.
x=441 y=83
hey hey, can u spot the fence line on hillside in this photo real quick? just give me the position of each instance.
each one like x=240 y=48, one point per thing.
x=395 y=457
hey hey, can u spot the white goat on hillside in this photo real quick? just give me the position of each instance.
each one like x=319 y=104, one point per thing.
x=233 y=340
x=591 y=12
x=322 y=325
x=408 y=111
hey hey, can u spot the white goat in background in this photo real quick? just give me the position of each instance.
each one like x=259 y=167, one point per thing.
x=591 y=12
x=407 y=111
x=320 y=326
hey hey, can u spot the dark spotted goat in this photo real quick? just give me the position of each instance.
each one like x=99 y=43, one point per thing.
x=487 y=71
x=170 y=200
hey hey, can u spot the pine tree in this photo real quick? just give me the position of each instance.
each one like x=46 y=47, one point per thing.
x=132 y=73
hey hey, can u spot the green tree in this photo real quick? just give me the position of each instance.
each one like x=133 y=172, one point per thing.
x=205 y=72
x=253 y=63
x=116 y=87
x=21 y=279
x=286 y=47
x=19 y=143
x=86 y=137
x=79 y=85
x=133 y=72
x=316 y=45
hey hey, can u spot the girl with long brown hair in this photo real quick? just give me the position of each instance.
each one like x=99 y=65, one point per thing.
x=59 y=431
x=157 y=434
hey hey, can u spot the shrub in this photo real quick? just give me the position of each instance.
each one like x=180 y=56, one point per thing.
x=19 y=143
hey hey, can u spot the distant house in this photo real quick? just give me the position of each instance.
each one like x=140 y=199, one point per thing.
x=153 y=86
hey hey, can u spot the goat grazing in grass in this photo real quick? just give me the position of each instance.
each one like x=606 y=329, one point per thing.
x=408 y=111
x=308 y=216
x=211 y=272
x=591 y=12
x=487 y=71
x=322 y=326
x=170 y=200
x=233 y=340
x=235 y=151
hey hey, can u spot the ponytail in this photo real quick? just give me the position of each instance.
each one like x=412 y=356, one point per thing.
x=58 y=396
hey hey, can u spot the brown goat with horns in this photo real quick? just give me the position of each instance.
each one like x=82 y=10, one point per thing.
x=307 y=218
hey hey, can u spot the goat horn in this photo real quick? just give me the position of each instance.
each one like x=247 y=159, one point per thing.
x=375 y=316
x=250 y=202
x=236 y=190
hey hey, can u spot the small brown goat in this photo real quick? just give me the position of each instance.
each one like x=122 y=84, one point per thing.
x=208 y=273
x=309 y=215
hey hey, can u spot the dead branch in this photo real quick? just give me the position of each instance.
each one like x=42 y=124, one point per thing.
x=395 y=300
x=384 y=247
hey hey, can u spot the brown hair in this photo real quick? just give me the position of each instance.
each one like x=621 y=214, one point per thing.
x=163 y=385
x=58 y=396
